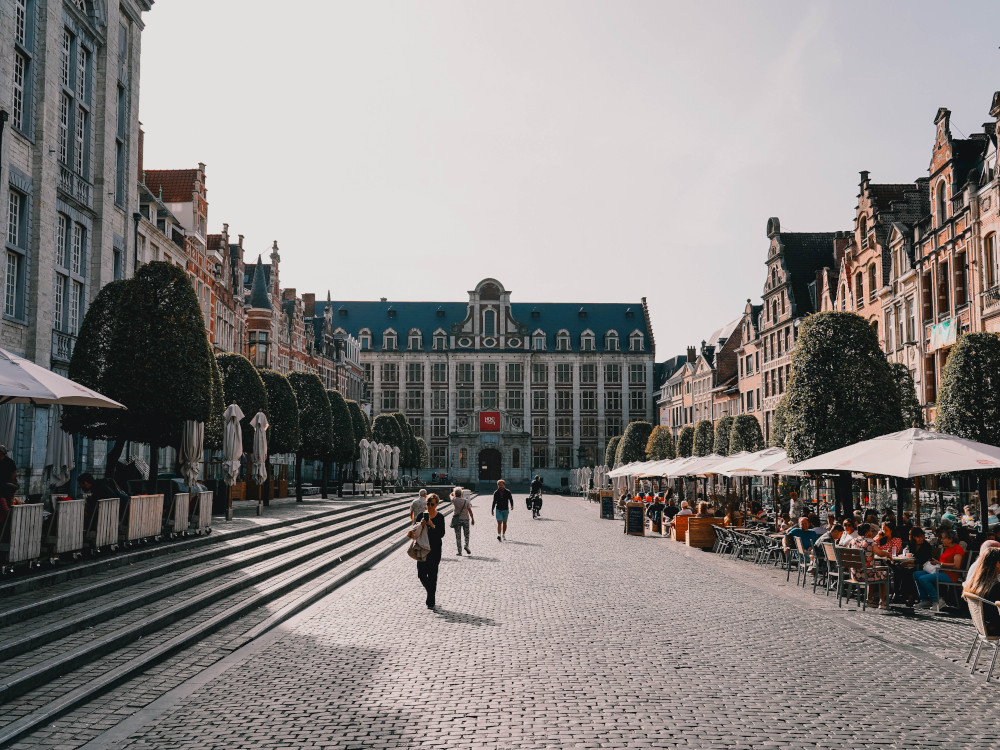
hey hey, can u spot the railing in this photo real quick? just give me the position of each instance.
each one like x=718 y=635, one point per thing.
x=991 y=298
x=62 y=346
x=75 y=185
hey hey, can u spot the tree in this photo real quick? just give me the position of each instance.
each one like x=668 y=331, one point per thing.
x=342 y=442
x=282 y=413
x=685 y=442
x=242 y=385
x=424 y=454
x=704 y=438
x=215 y=427
x=841 y=391
x=633 y=443
x=362 y=429
x=405 y=433
x=722 y=431
x=385 y=429
x=909 y=404
x=611 y=451
x=660 y=444
x=968 y=403
x=745 y=434
x=779 y=425
x=315 y=422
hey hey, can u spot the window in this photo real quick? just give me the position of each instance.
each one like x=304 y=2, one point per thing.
x=439 y=372
x=440 y=341
x=490 y=372
x=539 y=457
x=588 y=400
x=539 y=427
x=417 y=423
x=17 y=204
x=490 y=399
x=564 y=456
x=588 y=373
x=64 y=129
x=414 y=372
x=515 y=458
x=463 y=372
x=390 y=372
x=911 y=321
x=859 y=289
x=564 y=400
x=515 y=400
x=414 y=400
x=588 y=428
x=562 y=341
x=74 y=106
x=489 y=323
x=365 y=337
x=439 y=427
x=564 y=427
x=538 y=342
x=612 y=373
x=750 y=406
x=515 y=373
x=564 y=373
x=540 y=400
x=990 y=261
x=889 y=331
x=415 y=341
x=637 y=400
x=464 y=400
x=612 y=401
x=637 y=374
x=369 y=369
x=439 y=457
x=941 y=199
x=539 y=373
x=390 y=400
x=611 y=341
x=389 y=340
x=587 y=342
x=439 y=400
x=872 y=281
x=612 y=426
x=463 y=458
x=635 y=342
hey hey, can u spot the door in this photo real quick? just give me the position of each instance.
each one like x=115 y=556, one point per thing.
x=489 y=464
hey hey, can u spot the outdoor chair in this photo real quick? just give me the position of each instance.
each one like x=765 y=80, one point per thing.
x=854 y=573
x=801 y=555
x=721 y=540
x=772 y=550
x=976 y=604
x=822 y=568
x=942 y=586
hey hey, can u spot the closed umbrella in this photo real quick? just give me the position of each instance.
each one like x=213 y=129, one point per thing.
x=24 y=382
x=260 y=426
x=232 y=444
x=59 y=459
x=192 y=442
x=394 y=464
x=363 y=458
x=8 y=424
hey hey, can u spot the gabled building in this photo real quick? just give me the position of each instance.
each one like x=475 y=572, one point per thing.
x=748 y=362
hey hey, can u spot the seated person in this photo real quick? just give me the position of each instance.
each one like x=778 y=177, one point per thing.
x=849 y=532
x=830 y=537
x=685 y=509
x=704 y=510
x=803 y=532
x=655 y=510
x=99 y=489
x=670 y=508
x=950 y=561
x=984 y=581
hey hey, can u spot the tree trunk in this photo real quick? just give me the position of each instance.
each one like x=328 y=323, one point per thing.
x=298 y=477
x=266 y=489
x=340 y=480
x=114 y=455
x=154 y=467
x=842 y=494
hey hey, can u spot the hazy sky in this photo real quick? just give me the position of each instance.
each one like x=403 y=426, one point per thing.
x=576 y=151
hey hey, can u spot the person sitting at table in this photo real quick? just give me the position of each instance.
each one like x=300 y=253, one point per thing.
x=917 y=552
x=865 y=541
x=888 y=540
x=685 y=509
x=785 y=522
x=849 y=532
x=967 y=518
x=704 y=510
x=654 y=512
x=829 y=537
x=983 y=549
x=871 y=516
x=801 y=531
x=984 y=581
x=950 y=561
x=670 y=506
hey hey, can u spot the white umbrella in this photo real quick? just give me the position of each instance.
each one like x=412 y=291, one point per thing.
x=8 y=425
x=59 y=451
x=910 y=453
x=700 y=466
x=394 y=463
x=192 y=445
x=232 y=444
x=260 y=426
x=24 y=382
x=753 y=464
x=363 y=458
x=374 y=450
x=384 y=460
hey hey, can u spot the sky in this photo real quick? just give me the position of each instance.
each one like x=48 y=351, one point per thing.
x=576 y=151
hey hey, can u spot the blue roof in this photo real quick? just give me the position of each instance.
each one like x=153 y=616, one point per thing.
x=549 y=317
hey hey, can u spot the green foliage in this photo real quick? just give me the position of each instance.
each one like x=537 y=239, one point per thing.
x=704 y=438
x=722 y=431
x=359 y=424
x=215 y=427
x=909 y=404
x=283 y=413
x=779 y=425
x=685 y=442
x=611 y=451
x=745 y=434
x=405 y=433
x=89 y=364
x=315 y=419
x=424 y=454
x=633 y=443
x=385 y=429
x=968 y=403
x=660 y=444
x=841 y=389
x=343 y=444
x=241 y=385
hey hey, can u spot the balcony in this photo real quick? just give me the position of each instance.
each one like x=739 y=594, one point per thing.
x=75 y=186
x=62 y=346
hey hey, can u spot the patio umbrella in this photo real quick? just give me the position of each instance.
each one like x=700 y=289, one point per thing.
x=232 y=444
x=754 y=463
x=363 y=458
x=394 y=463
x=59 y=457
x=260 y=426
x=374 y=449
x=192 y=446
x=24 y=382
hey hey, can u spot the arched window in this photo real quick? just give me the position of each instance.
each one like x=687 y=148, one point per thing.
x=490 y=323
x=942 y=203
x=990 y=260
x=538 y=341
x=440 y=340
x=415 y=340
x=635 y=342
x=587 y=341
x=774 y=276
x=562 y=341
x=365 y=337
x=389 y=340
x=872 y=280
x=863 y=227
x=611 y=341
x=859 y=289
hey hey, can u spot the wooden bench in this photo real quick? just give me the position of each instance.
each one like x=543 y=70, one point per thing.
x=699 y=531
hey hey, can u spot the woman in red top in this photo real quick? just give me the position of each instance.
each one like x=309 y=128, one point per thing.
x=888 y=541
x=951 y=562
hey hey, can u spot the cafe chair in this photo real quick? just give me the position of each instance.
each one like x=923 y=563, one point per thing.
x=976 y=605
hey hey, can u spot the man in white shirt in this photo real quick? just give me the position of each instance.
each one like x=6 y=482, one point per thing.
x=419 y=505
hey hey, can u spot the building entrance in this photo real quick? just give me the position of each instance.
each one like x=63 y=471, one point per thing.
x=489 y=464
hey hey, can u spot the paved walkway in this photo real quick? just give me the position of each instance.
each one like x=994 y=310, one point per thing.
x=572 y=635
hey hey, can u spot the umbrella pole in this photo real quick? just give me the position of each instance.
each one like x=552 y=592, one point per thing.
x=229 y=502
x=916 y=500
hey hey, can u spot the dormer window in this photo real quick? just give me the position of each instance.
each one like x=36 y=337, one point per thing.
x=389 y=341
x=440 y=340
x=611 y=341
x=342 y=311
x=489 y=323
x=365 y=337
x=391 y=313
x=538 y=341
x=635 y=342
x=562 y=341
x=587 y=341
x=415 y=340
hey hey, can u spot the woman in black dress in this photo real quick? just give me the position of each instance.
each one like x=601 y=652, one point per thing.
x=427 y=570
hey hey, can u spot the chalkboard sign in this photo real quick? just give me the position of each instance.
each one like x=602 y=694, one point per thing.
x=608 y=508
x=635 y=519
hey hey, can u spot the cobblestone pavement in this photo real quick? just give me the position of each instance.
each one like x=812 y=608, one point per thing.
x=570 y=634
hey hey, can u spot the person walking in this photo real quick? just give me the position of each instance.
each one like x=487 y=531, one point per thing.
x=427 y=569
x=461 y=519
x=418 y=506
x=503 y=502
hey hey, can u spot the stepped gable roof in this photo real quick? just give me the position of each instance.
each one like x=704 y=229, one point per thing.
x=259 y=298
x=967 y=159
x=804 y=254
x=176 y=185
x=549 y=317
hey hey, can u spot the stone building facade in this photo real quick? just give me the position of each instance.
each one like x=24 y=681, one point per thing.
x=500 y=388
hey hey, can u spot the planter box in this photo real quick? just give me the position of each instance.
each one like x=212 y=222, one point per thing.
x=700 y=533
x=680 y=528
x=66 y=527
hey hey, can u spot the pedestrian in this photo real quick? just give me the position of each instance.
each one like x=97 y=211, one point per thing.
x=461 y=519
x=503 y=502
x=418 y=506
x=427 y=569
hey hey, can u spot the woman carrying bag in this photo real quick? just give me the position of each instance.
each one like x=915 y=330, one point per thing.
x=427 y=569
x=461 y=519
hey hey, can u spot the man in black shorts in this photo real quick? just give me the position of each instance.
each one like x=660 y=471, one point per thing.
x=503 y=502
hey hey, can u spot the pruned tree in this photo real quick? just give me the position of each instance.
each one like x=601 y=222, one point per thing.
x=611 y=451
x=745 y=434
x=215 y=427
x=633 y=443
x=779 y=424
x=424 y=454
x=722 y=432
x=660 y=444
x=685 y=442
x=704 y=438
x=909 y=404
x=242 y=385
x=315 y=422
x=282 y=413
x=342 y=442
x=385 y=429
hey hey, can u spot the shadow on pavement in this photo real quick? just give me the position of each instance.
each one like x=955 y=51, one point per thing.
x=481 y=558
x=523 y=544
x=551 y=520
x=464 y=618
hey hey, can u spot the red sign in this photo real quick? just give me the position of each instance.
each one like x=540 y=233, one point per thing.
x=489 y=421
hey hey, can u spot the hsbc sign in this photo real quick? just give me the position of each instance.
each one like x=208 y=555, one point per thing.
x=489 y=421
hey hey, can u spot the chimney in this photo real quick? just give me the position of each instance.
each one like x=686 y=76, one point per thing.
x=288 y=293
x=309 y=300
x=692 y=354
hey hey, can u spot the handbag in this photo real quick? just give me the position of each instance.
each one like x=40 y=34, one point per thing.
x=930 y=567
x=417 y=552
